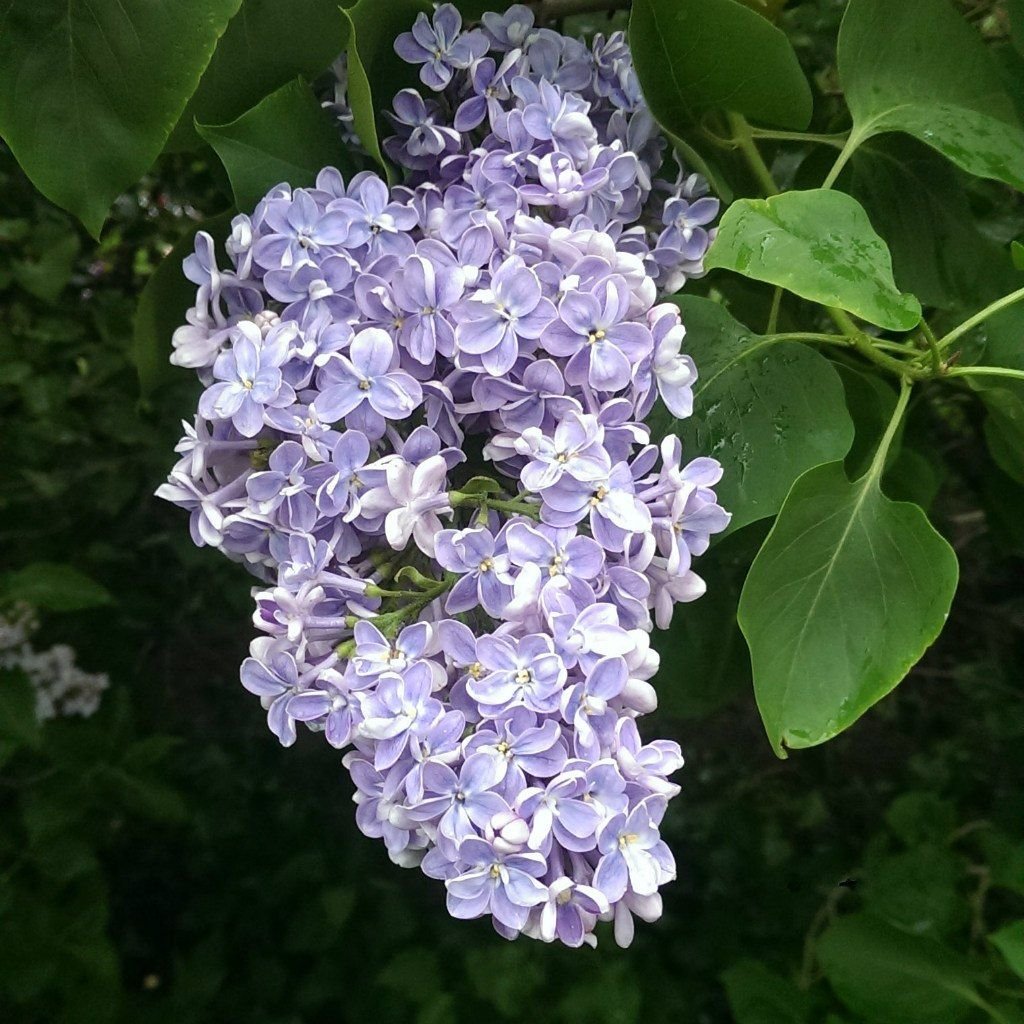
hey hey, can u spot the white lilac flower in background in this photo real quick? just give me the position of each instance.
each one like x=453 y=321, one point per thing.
x=61 y=688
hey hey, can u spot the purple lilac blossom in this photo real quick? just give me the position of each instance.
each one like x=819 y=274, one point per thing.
x=473 y=631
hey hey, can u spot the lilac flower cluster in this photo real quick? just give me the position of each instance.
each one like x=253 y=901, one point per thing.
x=480 y=643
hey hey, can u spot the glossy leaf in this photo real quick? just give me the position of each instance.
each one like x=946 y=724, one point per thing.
x=918 y=67
x=90 y=92
x=848 y=591
x=716 y=55
x=889 y=976
x=375 y=72
x=1017 y=255
x=163 y=303
x=767 y=410
x=1010 y=942
x=288 y=137
x=820 y=245
x=916 y=202
x=1003 y=338
x=266 y=45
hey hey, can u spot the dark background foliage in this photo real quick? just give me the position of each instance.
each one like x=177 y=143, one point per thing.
x=167 y=861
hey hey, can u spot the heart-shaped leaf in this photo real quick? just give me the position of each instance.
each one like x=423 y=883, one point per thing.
x=847 y=593
x=715 y=55
x=266 y=45
x=90 y=92
x=918 y=67
x=288 y=137
x=820 y=245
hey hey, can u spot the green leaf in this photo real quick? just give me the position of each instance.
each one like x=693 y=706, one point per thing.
x=53 y=587
x=266 y=45
x=89 y=92
x=704 y=661
x=1004 y=427
x=1017 y=255
x=287 y=137
x=918 y=67
x=848 y=591
x=18 y=724
x=870 y=401
x=819 y=245
x=149 y=797
x=890 y=977
x=917 y=203
x=767 y=410
x=915 y=477
x=1003 y=338
x=1010 y=942
x=716 y=55
x=1003 y=500
x=375 y=72
x=921 y=817
x=916 y=889
x=757 y=995
x=162 y=305
x=56 y=246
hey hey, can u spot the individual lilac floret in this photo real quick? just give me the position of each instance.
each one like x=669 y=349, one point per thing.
x=364 y=388
x=249 y=380
x=503 y=885
x=440 y=46
x=493 y=320
x=484 y=566
x=633 y=854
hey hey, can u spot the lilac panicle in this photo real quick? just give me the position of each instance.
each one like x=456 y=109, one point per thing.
x=475 y=633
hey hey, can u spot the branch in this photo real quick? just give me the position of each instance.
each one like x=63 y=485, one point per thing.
x=553 y=10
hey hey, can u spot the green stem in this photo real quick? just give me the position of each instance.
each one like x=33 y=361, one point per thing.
x=554 y=10
x=933 y=347
x=866 y=347
x=987 y=371
x=844 y=155
x=773 y=314
x=513 y=507
x=838 y=140
x=744 y=140
x=828 y=339
x=878 y=462
x=389 y=622
x=980 y=317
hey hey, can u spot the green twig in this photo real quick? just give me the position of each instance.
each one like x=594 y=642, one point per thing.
x=987 y=371
x=555 y=10
x=744 y=141
x=933 y=347
x=980 y=317
x=867 y=348
x=838 y=140
x=810 y=336
x=845 y=153
x=773 y=314
x=516 y=506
